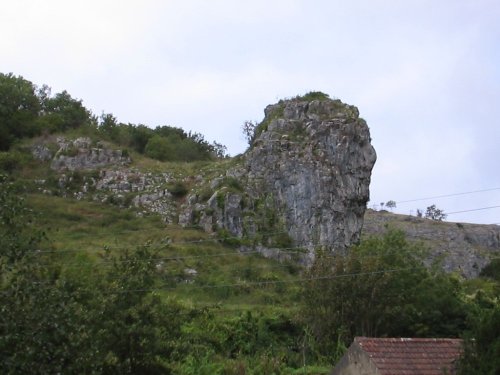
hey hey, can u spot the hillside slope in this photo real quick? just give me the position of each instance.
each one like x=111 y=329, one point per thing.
x=461 y=247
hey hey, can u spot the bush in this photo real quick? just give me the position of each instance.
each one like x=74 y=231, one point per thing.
x=178 y=189
x=492 y=270
x=11 y=161
x=313 y=95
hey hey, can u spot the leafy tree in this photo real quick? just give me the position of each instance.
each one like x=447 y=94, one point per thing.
x=170 y=131
x=391 y=204
x=248 y=129
x=178 y=148
x=139 y=137
x=160 y=148
x=19 y=108
x=398 y=294
x=482 y=349
x=109 y=126
x=219 y=150
x=62 y=112
x=41 y=315
x=136 y=329
x=434 y=213
x=51 y=323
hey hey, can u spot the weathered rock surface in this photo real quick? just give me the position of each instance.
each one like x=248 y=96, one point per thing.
x=461 y=247
x=79 y=155
x=302 y=184
x=314 y=161
x=306 y=175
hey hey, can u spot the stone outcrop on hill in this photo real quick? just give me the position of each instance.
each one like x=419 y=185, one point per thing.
x=303 y=183
x=306 y=176
x=79 y=154
x=460 y=247
x=314 y=162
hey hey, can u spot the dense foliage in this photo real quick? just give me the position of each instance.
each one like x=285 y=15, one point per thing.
x=97 y=323
x=120 y=319
x=27 y=111
x=164 y=143
x=382 y=288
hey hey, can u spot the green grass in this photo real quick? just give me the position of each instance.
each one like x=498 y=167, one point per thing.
x=81 y=232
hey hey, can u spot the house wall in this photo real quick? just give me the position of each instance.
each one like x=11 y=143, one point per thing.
x=355 y=362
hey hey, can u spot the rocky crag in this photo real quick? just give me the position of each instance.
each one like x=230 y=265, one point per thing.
x=303 y=184
x=458 y=247
x=306 y=176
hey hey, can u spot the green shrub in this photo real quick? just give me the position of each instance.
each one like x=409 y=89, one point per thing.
x=492 y=270
x=178 y=189
x=221 y=200
x=227 y=238
x=233 y=183
x=205 y=193
x=313 y=95
x=12 y=161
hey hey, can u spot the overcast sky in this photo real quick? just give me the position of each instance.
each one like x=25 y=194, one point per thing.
x=424 y=74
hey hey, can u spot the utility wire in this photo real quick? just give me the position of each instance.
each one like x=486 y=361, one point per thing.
x=447 y=195
x=274 y=282
x=474 y=209
x=110 y=262
x=251 y=284
x=176 y=257
x=164 y=243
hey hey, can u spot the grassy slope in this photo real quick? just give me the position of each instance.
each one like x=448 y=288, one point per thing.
x=80 y=232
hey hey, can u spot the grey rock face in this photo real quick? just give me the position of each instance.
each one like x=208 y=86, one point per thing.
x=313 y=163
x=41 y=152
x=79 y=154
x=460 y=247
x=303 y=183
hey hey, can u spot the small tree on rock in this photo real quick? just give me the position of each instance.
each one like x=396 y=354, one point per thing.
x=391 y=204
x=434 y=213
x=249 y=131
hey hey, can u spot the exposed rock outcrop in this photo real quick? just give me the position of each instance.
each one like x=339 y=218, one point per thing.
x=460 y=247
x=79 y=154
x=306 y=175
x=302 y=184
x=314 y=161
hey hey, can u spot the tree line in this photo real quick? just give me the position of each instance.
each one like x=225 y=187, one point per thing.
x=27 y=110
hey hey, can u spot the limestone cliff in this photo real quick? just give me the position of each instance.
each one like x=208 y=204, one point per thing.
x=314 y=160
x=303 y=183
x=458 y=247
x=306 y=176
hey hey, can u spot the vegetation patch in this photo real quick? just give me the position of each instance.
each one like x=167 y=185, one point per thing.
x=312 y=95
x=277 y=112
x=178 y=189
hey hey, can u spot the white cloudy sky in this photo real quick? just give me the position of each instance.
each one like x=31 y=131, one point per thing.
x=424 y=74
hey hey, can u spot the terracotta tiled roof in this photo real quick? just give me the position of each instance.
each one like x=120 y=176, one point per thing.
x=412 y=356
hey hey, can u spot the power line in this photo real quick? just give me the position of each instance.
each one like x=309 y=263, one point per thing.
x=275 y=282
x=178 y=257
x=251 y=284
x=447 y=195
x=167 y=241
x=283 y=251
x=474 y=209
